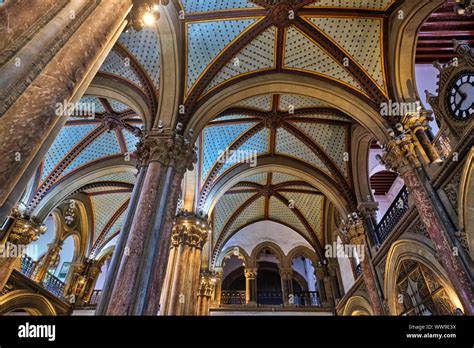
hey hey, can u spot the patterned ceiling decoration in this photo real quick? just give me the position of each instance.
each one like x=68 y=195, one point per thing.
x=359 y=4
x=84 y=141
x=228 y=41
x=259 y=197
x=108 y=214
x=144 y=46
x=117 y=65
x=364 y=45
x=262 y=103
x=203 y=49
x=312 y=133
x=303 y=54
x=259 y=55
x=193 y=6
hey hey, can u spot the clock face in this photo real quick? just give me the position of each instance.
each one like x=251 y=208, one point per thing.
x=461 y=97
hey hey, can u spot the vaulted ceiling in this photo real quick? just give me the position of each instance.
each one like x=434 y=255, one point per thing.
x=339 y=41
x=279 y=127
x=272 y=196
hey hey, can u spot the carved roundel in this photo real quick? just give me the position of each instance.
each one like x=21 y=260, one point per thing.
x=283 y=14
x=460 y=96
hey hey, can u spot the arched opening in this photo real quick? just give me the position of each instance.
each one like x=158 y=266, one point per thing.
x=233 y=281
x=269 y=287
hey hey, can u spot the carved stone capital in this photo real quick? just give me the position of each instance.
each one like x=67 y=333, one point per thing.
x=251 y=273
x=191 y=230
x=354 y=229
x=286 y=273
x=206 y=285
x=24 y=229
x=368 y=209
x=399 y=152
x=168 y=149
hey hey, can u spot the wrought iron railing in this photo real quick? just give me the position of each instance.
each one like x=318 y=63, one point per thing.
x=395 y=212
x=53 y=284
x=269 y=298
x=307 y=298
x=233 y=297
x=27 y=265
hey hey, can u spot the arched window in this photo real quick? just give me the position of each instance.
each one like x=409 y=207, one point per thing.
x=419 y=292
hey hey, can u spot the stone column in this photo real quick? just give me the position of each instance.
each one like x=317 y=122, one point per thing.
x=218 y=274
x=355 y=231
x=142 y=269
x=286 y=276
x=189 y=234
x=251 y=286
x=205 y=292
x=321 y=287
x=399 y=154
x=20 y=231
x=333 y=274
x=32 y=89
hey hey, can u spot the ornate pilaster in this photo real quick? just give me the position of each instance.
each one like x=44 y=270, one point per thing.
x=399 y=155
x=50 y=257
x=189 y=235
x=20 y=230
x=218 y=274
x=354 y=229
x=83 y=280
x=205 y=291
x=251 y=286
x=164 y=158
x=321 y=286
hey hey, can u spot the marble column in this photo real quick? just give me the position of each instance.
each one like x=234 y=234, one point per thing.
x=354 y=229
x=286 y=276
x=120 y=247
x=205 y=292
x=251 y=286
x=399 y=154
x=137 y=288
x=189 y=235
x=321 y=287
x=19 y=231
x=58 y=75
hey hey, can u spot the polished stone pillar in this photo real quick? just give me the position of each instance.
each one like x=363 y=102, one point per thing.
x=19 y=231
x=121 y=245
x=399 y=154
x=189 y=235
x=58 y=74
x=137 y=288
x=286 y=276
x=251 y=286
x=205 y=292
x=354 y=229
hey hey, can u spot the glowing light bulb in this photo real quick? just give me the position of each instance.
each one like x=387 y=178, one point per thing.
x=149 y=19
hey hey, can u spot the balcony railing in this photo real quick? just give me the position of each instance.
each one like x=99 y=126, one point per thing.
x=269 y=298
x=53 y=285
x=233 y=297
x=393 y=215
x=27 y=266
x=307 y=298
